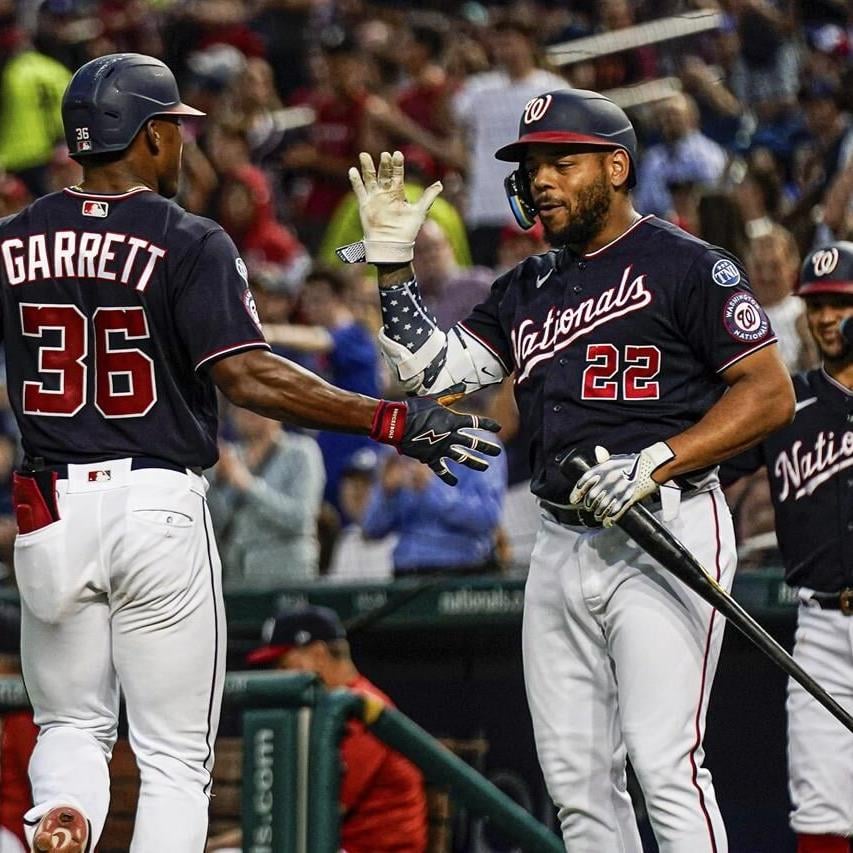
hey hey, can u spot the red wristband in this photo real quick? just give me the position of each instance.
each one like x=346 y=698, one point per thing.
x=389 y=422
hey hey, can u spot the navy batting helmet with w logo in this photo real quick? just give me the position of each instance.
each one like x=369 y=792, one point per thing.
x=575 y=117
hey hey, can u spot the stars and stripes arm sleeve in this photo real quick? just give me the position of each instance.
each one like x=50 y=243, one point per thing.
x=425 y=359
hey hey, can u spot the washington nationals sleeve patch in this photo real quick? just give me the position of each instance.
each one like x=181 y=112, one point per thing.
x=743 y=318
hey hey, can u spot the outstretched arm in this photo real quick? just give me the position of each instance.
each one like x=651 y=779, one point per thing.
x=424 y=358
x=424 y=429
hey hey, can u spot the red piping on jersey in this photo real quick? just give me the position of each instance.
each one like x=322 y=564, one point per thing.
x=750 y=351
x=477 y=338
x=698 y=729
x=106 y=196
x=234 y=348
x=617 y=239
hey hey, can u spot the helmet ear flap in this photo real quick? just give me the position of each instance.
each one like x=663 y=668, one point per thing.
x=517 y=187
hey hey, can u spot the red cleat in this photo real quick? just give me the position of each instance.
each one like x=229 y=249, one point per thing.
x=62 y=830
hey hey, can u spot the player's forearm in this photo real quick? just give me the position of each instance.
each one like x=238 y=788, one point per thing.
x=279 y=389
x=393 y=275
x=756 y=404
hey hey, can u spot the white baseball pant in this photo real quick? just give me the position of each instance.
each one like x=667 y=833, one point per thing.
x=619 y=657
x=125 y=590
x=820 y=749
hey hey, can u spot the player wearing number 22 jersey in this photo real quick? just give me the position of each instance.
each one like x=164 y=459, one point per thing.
x=643 y=346
x=152 y=292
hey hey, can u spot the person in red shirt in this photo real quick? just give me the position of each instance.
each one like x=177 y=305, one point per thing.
x=383 y=804
x=17 y=739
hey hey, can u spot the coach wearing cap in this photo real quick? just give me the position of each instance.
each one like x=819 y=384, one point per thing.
x=383 y=805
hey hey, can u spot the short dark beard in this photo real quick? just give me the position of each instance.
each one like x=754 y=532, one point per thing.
x=590 y=216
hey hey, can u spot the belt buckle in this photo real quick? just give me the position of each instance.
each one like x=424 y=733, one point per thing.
x=845 y=599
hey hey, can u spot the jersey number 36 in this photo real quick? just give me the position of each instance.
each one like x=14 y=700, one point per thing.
x=124 y=378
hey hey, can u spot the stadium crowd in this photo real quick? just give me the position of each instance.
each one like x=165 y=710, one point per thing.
x=746 y=141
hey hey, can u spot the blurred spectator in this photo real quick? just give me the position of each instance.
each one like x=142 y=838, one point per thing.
x=822 y=155
x=722 y=117
x=486 y=110
x=765 y=73
x=348 y=357
x=17 y=738
x=264 y=502
x=623 y=67
x=720 y=222
x=773 y=263
x=355 y=557
x=515 y=244
x=419 y=115
x=451 y=291
x=250 y=103
x=14 y=195
x=70 y=31
x=439 y=529
x=246 y=213
x=684 y=156
x=383 y=804
x=62 y=171
x=31 y=89
x=340 y=131
x=285 y=27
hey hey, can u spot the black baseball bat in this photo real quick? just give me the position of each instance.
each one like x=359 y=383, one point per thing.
x=659 y=543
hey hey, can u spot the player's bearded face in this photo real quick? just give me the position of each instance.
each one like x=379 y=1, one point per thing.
x=584 y=215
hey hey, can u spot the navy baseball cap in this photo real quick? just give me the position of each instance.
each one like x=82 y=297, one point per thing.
x=295 y=629
x=828 y=269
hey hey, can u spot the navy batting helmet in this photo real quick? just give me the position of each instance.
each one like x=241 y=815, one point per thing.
x=565 y=117
x=110 y=98
x=828 y=270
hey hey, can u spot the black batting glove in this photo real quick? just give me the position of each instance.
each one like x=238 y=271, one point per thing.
x=431 y=433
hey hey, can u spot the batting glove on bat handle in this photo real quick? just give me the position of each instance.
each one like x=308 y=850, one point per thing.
x=615 y=483
x=432 y=433
x=388 y=221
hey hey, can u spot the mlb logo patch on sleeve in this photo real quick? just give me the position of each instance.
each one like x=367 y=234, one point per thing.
x=98 y=209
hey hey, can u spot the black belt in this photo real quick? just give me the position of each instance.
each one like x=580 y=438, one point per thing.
x=842 y=601
x=583 y=517
x=136 y=463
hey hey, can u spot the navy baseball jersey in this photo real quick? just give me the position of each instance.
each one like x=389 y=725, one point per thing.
x=810 y=465
x=622 y=347
x=113 y=308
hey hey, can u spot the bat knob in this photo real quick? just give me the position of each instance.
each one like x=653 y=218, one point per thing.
x=573 y=463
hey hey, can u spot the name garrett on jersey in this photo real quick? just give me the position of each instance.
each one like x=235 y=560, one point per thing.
x=81 y=254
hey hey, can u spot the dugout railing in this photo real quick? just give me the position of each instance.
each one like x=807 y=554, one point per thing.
x=292 y=728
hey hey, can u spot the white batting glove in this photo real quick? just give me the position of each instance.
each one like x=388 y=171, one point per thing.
x=389 y=223
x=618 y=482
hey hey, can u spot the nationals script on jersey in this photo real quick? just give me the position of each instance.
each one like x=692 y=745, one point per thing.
x=123 y=302
x=810 y=465
x=621 y=347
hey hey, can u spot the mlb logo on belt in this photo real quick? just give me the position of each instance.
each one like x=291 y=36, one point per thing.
x=99 y=209
x=102 y=476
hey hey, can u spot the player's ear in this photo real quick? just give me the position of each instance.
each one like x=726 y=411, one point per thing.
x=618 y=165
x=152 y=135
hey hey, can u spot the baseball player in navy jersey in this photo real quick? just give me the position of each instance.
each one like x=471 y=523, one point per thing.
x=809 y=465
x=121 y=314
x=644 y=345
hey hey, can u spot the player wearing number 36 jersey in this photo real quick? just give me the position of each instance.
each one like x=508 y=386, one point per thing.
x=121 y=315
x=645 y=346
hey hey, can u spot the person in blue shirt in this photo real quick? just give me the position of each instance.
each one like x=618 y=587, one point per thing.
x=439 y=530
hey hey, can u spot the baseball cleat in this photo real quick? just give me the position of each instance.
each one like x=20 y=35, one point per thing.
x=62 y=830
